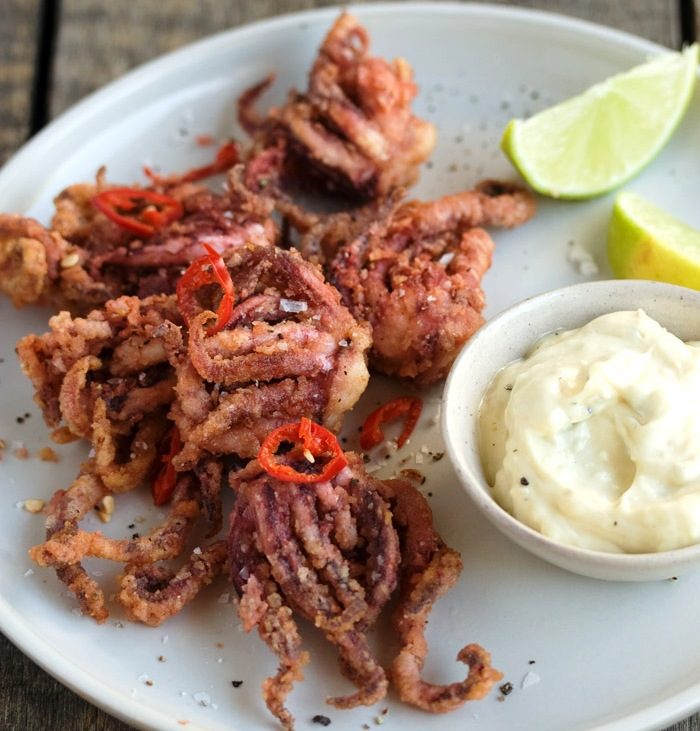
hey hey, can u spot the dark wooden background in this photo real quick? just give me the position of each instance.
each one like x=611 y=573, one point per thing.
x=54 y=53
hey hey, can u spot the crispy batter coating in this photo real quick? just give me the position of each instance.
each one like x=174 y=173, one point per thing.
x=84 y=258
x=107 y=378
x=415 y=275
x=69 y=544
x=353 y=130
x=429 y=569
x=66 y=509
x=30 y=261
x=331 y=552
x=291 y=349
x=117 y=354
x=288 y=545
x=151 y=594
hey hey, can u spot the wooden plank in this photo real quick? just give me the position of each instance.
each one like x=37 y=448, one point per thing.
x=17 y=46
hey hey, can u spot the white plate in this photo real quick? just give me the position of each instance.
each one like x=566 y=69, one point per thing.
x=607 y=656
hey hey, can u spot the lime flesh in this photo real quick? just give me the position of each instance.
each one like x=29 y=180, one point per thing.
x=645 y=242
x=596 y=141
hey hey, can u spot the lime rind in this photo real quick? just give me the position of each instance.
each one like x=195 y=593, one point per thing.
x=596 y=141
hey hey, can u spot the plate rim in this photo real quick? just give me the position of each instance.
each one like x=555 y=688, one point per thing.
x=16 y=628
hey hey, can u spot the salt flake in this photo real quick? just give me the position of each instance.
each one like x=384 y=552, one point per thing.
x=529 y=679
x=581 y=259
x=293 y=305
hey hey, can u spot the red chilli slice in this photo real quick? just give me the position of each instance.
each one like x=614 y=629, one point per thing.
x=309 y=439
x=209 y=269
x=226 y=157
x=407 y=407
x=164 y=484
x=142 y=212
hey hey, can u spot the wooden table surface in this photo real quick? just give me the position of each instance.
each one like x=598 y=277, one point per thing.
x=54 y=53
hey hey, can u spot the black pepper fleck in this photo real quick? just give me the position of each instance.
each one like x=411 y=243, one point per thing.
x=430 y=494
x=19 y=420
x=506 y=688
x=236 y=683
x=509 y=388
x=531 y=662
x=131 y=526
x=135 y=536
x=321 y=720
x=524 y=481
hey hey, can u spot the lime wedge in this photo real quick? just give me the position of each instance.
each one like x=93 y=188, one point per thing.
x=596 y=141
x=645 y=242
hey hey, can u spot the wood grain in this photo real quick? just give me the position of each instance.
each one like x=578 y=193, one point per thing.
x=109 y=39
x=17 y=48
x=31 y=700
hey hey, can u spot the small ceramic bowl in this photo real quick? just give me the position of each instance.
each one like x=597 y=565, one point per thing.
x=506 y=338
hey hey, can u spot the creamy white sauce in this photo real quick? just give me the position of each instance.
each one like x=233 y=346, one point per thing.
x=593 y=438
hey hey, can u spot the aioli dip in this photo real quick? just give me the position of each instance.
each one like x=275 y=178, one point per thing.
x=593 y=439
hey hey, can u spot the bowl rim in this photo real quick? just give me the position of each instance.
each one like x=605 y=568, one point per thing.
x=473 y=480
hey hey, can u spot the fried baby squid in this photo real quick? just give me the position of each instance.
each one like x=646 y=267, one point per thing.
x=105 y=241
x=429 y=569
x=415 y=275
x=106 y=377
x=289 y=348
x=351 y=132
x=333 y=553
x=148 y=593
